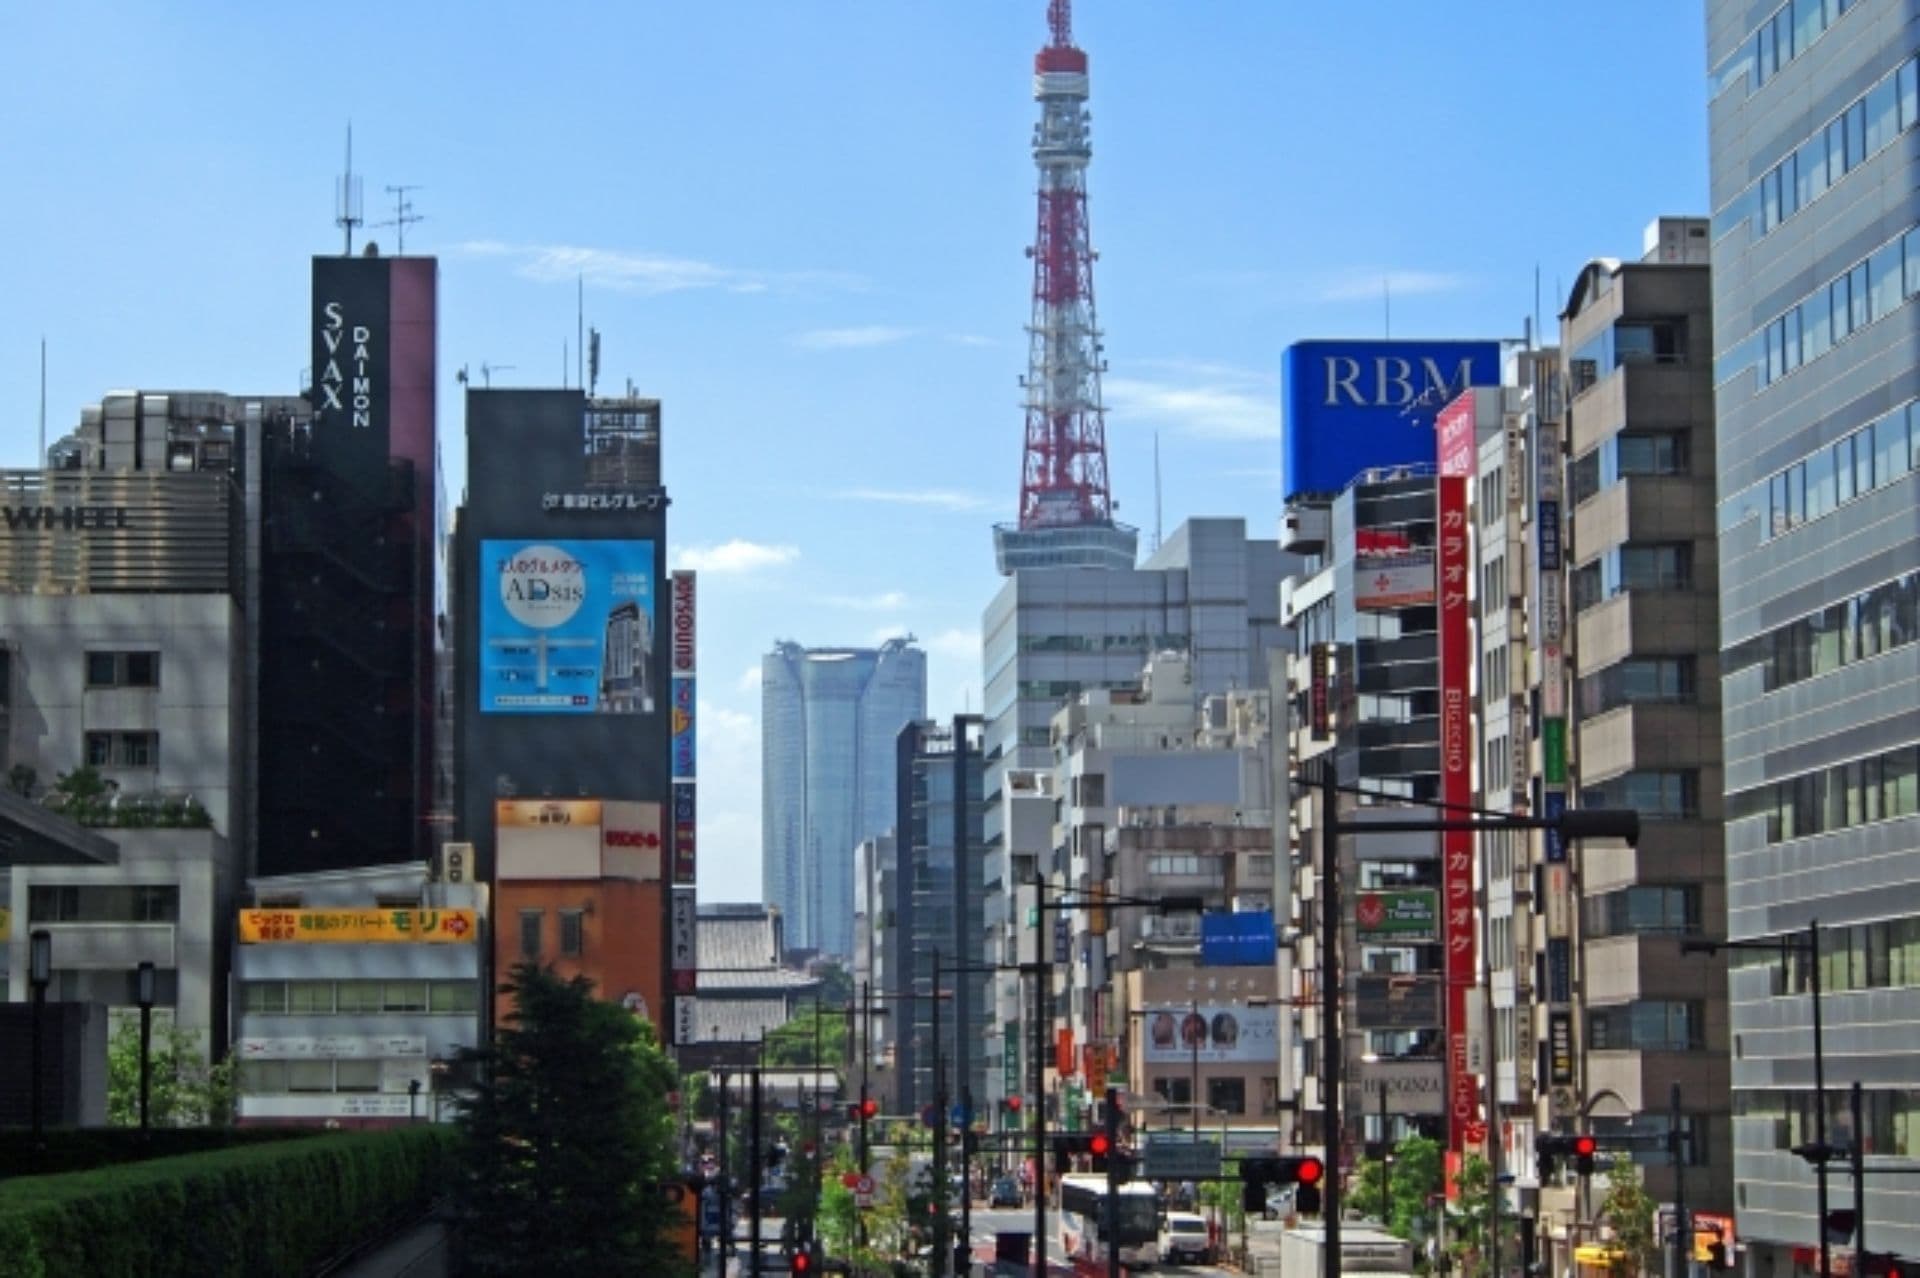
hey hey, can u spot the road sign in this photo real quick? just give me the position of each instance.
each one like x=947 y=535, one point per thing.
x=961 y=1117
x=930 y=1116
x=850 y=1180
x=863 y=1191
x=1180 y=1160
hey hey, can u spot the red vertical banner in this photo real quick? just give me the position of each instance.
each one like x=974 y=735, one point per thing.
x=1063 y=1062
x=1455 y=427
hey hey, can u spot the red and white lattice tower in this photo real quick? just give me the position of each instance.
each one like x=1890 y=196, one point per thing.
x=1066 y=504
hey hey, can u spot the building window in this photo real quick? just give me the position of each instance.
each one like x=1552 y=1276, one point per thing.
x=452 y=997
x=123 y=749
x=138 y=903
x=404 y=996
x=267 y=998
x=1647 y=1026
x=123 y=669
x=1174 y=1090
x=356 y=1076
x=310 y=998
x=1227 y=1095
x=1662 y=910
x=1636 y=681
x=530 y=944
x=309 y=1076
x=573 y=929
x=263 y=1078
x=359 y=997
x=1657 y=795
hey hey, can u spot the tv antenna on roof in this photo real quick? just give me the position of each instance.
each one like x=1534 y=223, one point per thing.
x=403 y=216
x=348 y=211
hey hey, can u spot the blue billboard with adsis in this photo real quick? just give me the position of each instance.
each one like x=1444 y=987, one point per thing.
x=566 y=627
x=1354 y=406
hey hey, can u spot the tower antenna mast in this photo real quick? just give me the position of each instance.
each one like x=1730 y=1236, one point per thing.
x=348 y=212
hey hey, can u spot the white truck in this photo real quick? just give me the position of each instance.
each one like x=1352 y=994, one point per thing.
x=1364 y=1249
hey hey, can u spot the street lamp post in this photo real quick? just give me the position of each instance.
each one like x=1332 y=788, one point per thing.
x=1819 y=1152
x=143 y=982
x=1386 y=1182
x=39 y=975
x=1573 y=824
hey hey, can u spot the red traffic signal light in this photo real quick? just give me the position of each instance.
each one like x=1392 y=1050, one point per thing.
x=1013 y=1103
x=1583 y=1146
x=1099 y=1146
x=800 y=1263
x=868 y=1108
x=1310 y=1171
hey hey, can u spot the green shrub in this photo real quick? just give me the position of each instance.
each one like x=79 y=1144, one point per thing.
x=76 y=1149
x=277 y=1207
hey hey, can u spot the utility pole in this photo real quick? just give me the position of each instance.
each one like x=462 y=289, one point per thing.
x=753 y=1165
x=1039 y=1076
x=1682 y=1221
x=1330 y=1044
x=1857 y=1156
x=940 y=1219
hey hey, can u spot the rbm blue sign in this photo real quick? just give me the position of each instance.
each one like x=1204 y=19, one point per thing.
x=1349 y=407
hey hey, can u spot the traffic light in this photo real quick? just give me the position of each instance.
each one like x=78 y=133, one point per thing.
x=1099 y=1145
x=1840 y=1223
x=1304 y=1172
x=1549 y=1150
x=800 y=1262
x=1013 y=1104
x=868 y=1108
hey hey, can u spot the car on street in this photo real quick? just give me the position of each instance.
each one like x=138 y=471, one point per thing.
x=1005 y=1193
x=1183 y=1238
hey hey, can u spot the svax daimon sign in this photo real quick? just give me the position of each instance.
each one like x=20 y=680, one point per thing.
x=352 y=332
x=1352 y=406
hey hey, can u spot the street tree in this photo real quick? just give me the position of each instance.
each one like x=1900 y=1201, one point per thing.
x=1630 y=1210
x=183 y=1089
x=567 y=1135
x=1470 y=1219
x=1412 y=1180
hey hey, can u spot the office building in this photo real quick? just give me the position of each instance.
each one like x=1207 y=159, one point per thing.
x=1816 y=261
x=830 y=718
x=934 y=909
x=566 y=701
x=356 y=992
x=126 y=708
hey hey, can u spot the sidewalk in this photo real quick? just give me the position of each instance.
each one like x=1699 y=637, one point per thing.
x=419 y=1252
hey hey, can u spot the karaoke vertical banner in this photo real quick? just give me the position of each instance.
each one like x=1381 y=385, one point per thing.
x=1455 y=427
x=684 y=808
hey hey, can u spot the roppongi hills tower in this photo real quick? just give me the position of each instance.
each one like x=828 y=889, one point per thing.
x=830 y=726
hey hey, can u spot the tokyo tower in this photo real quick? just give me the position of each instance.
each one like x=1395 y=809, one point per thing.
x=1066 y=504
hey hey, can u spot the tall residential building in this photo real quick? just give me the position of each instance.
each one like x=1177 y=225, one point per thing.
x=347 y=562
x=1816 y=257
x=1642 y=700
x=829 y=721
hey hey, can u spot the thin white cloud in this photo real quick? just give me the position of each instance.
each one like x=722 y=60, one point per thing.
x=937 y=498
x=846 y=339
x=749 y=680
x=885 y=601
x=736 y=556
x=648 y=274
x=1209 y=402
x=954 y=643
x=971 y=339
x=1364 y=285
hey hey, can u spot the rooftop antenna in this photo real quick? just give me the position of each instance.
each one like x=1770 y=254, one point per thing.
x=580 y=327
x=43 y=402
x=403 y=215
x=488 y=370
x=347 y=207
x=593 y=360
x=1536 y=303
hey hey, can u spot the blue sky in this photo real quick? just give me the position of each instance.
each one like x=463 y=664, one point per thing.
x=801 y=225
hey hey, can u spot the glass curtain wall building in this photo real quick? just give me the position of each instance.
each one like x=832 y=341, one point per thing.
x=829 y=721
x=1816 y=263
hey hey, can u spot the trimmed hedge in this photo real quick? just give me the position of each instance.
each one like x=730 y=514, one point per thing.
x=74 y=1149
x=281 y=1207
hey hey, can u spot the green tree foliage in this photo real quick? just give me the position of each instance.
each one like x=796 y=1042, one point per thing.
x=1413 y=1178
x=1469 y=1220
x=793 y=1045
x=183 y=1090
x=836 y=985
x=565 y=1137
x=1630 y=1210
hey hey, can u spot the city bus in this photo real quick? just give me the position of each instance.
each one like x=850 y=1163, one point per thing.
x=1083 y=1218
